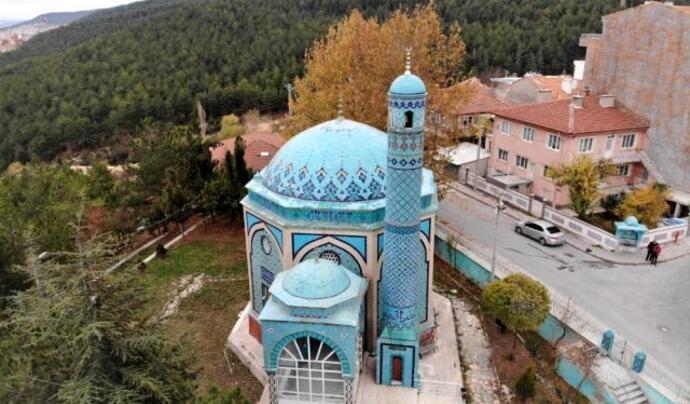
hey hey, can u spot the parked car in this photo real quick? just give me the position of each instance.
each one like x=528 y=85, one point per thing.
x=541 y=230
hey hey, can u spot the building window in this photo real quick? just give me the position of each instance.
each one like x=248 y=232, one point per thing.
x=623 y=170
x=546 y=172
x=265 y=154
x=528 y=134
x=554 y=142
x=586 y=144
x=521 y=162
x=266 y=245
x=502 y=154
x=505 y=127
x=628 y=141
x=309 y=370
x=408 y=119
x=330 y=255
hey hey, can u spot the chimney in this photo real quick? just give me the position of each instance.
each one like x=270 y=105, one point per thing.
x=543 y=95
x=606 y=100
x=576 y=101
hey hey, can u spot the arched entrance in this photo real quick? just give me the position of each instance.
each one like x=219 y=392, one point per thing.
x=309 y=370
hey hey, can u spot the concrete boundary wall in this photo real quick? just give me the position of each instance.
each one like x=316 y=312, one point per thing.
x=473 y=263
x=583 y=229
x=510 y=197
x=666 y=234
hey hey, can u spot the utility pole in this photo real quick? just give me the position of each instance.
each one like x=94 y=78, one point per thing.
x=289 y=88
x=500 y=207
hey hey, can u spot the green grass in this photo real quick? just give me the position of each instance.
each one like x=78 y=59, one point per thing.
x=205 y=318
x=211 y=258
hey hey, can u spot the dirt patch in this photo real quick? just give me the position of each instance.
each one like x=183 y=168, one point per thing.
x=187 y=285
x=510 y=364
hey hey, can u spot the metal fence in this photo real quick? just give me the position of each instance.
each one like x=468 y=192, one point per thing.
x=449 y=390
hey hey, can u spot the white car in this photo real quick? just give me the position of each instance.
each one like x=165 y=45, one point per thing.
x=541 y=230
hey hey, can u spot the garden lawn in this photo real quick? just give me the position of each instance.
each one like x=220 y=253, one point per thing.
x=204 y=319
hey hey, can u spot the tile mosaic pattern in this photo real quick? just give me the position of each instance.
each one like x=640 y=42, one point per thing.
x=263 y=263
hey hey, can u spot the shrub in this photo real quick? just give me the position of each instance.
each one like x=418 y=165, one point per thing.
x=527 y=384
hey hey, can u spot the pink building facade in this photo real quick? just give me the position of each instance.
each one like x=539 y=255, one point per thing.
x=528 y=140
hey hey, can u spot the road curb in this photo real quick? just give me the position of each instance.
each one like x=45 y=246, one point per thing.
x=507 y=212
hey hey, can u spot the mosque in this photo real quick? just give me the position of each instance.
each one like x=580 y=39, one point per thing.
x=340 y=239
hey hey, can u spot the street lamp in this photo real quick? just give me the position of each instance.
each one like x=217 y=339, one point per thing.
x=500 y=207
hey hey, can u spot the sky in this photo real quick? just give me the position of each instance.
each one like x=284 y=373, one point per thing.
x=20 y=10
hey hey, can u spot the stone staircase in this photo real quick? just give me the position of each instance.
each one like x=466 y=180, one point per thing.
x=651 y=168
x=630 y=393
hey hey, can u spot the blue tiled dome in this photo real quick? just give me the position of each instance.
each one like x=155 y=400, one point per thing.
x=336 y=161
x=407 y=84
x=316 y=279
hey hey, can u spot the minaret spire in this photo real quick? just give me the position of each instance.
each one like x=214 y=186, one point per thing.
x=408 y=60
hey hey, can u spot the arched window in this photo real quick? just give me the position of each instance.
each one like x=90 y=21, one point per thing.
x=408 y=119
x=309 y=371
x=330 y=255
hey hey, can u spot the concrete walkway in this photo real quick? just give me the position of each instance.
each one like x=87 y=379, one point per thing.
x=481 y=376
x=439 y=371
x=624 y=256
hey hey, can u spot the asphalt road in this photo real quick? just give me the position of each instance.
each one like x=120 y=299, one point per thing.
x=649 y=307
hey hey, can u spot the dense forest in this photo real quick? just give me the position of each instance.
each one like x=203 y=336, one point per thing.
x=81 y=84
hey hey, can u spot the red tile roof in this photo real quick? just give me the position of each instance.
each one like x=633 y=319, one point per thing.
x=551 y=83
x=260 y=147
x=482 y=101
x=591 y=118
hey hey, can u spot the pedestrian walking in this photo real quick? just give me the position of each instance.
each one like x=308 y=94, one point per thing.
x=655 y=254
x=650 y=250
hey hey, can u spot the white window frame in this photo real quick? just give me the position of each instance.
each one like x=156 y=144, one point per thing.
x=557 y=142
x=506 y=154
x=506 y=126
x=315 y=369
x=518 y=159
x=583 y=143
x=623 y=170
x=624 y=140
x=544 y=171
x=528 y=134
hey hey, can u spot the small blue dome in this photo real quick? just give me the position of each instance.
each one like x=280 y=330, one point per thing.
x=631 y=221
x=407 y=84
x=336 y=161
x=316 y=279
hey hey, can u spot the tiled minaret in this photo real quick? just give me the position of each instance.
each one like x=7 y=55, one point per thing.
x=397 y=345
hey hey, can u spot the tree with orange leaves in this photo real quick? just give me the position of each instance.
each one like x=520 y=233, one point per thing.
x=359 y=58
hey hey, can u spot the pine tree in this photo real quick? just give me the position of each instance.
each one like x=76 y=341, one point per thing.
x=75 y=337
x=243 y=174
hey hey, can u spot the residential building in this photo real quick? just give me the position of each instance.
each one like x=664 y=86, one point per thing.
x=533 y=87
x=530 y=139
x=642 y=57
x=260 y=147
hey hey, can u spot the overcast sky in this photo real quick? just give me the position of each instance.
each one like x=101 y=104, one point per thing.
x=18 y=10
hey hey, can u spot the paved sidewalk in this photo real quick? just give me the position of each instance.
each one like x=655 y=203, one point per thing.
x=624 y=255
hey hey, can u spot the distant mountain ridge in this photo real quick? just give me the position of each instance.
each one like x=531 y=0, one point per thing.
x=58 y=19
x=7 y=23
x=83 y=84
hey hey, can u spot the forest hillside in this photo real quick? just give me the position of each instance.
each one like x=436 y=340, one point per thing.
x=82 y=84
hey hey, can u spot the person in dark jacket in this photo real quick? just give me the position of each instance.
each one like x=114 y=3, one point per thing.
x=655 y=253
x=650 y=250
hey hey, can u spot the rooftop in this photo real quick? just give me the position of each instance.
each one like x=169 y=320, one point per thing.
x=590 y=118
x=482 y=101
x=463 y=153
x=260 y=147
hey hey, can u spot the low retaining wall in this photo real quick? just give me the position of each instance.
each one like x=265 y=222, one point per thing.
x=585 y=230
x=550 y=330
